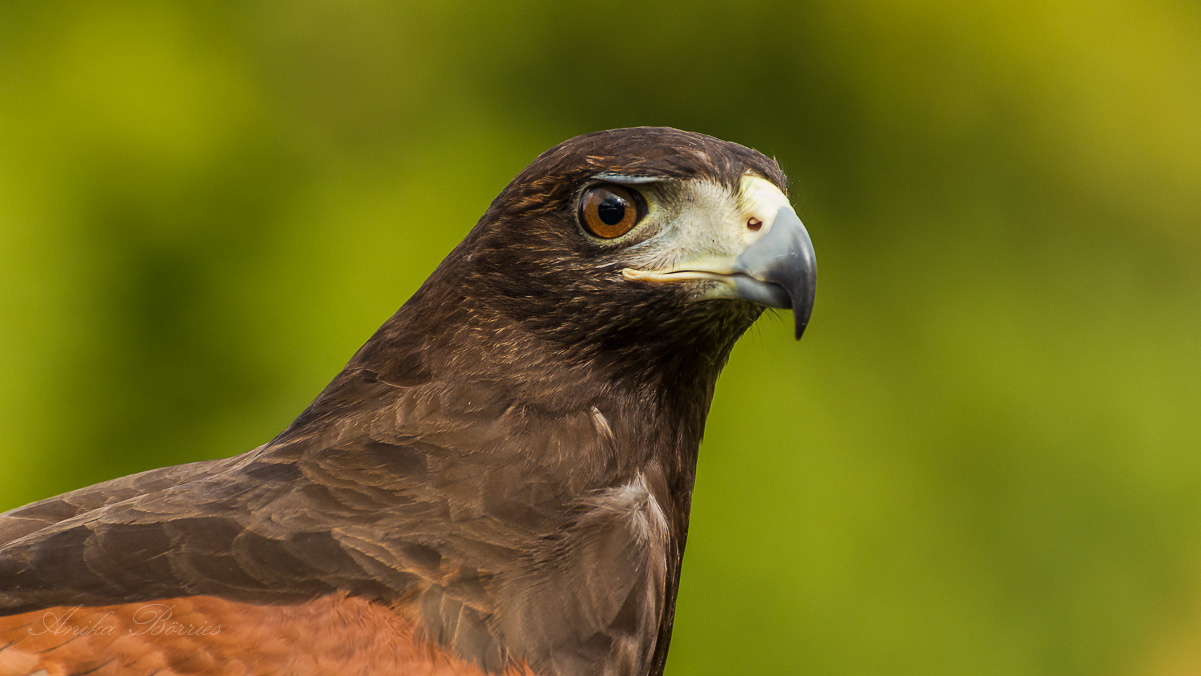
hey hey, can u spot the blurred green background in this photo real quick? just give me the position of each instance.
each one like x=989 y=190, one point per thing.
x=985 y=456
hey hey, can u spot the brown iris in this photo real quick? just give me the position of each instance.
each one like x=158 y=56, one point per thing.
x=610 y=211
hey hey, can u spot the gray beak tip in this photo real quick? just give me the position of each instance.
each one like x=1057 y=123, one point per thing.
x=801 y=324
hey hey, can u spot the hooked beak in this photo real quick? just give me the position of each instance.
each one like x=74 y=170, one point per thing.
x=777 y=270
x=780 y=269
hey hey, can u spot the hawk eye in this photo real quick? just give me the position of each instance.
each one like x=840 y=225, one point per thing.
x=610 y=211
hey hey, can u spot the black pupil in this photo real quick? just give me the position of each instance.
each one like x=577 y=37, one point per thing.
x=611 y=210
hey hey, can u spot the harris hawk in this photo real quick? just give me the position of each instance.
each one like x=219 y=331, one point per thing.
x=498 y=482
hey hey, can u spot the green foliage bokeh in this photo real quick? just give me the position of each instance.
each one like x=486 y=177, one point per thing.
x=983 y=458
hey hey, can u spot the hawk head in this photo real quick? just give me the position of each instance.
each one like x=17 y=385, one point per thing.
x=637 y=245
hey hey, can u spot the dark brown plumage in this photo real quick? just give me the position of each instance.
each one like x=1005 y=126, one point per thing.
x=501 y=477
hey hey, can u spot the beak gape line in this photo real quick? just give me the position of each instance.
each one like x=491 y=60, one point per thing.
x=777 y=270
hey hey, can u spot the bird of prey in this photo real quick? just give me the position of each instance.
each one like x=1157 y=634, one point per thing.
x=499 y=481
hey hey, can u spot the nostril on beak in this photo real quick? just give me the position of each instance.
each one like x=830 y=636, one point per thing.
x=753 y=224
